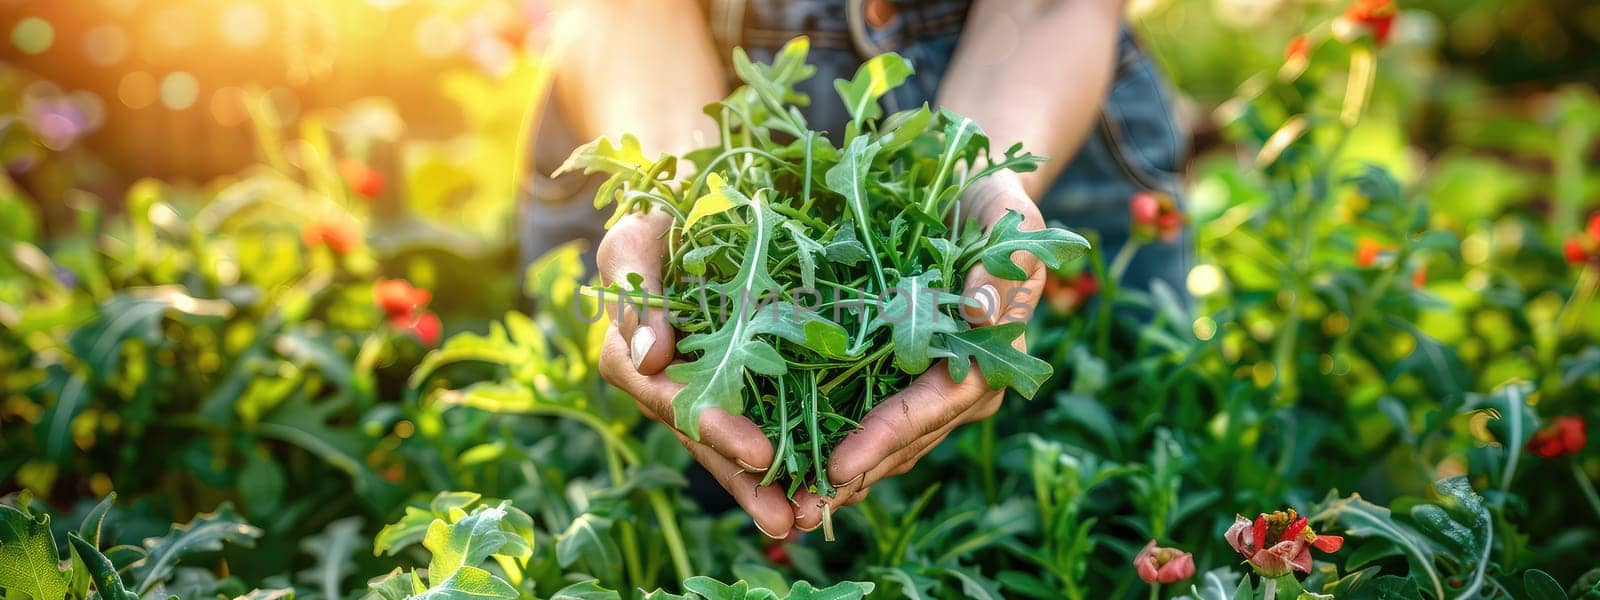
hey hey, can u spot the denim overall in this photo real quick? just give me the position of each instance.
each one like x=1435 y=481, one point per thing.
x=1135 y=144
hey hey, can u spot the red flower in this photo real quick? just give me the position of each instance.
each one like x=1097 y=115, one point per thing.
x=1163 y=565
x=1367 y=251
x=1594 y=228
x=1155 y=215
x=1565 y=435
x=1279 y=543
x=1299 y=48
x=364 y=180
x=1575 y=251
x=398 y=298
x=339 y=236
x=1419 y=277
x=423 y=324
x=1066 y=294
x=1375 y=16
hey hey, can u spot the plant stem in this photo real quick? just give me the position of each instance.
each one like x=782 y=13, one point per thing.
x=1586 y=486
x=1155 y=592
x=1269 y=588
x=669 y=531
x=630 y=541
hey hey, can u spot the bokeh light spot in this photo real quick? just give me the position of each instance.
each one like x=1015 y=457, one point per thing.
x=227 y=106
x=438 y=37
x=1205 y=280
x=105 y=45
x=173 y=28
x=245 y=25
x=33 y=35
x=179 y=90
x=137 y=89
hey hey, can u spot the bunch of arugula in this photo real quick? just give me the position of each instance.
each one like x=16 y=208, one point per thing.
x=810 y=281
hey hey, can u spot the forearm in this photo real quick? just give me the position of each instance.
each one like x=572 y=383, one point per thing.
x=645 y=67
x=1035 y=72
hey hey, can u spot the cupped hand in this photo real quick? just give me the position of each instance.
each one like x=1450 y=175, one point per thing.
x=638 y=349
x=906 y=426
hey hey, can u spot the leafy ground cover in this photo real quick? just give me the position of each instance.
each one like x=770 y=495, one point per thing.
x=1381 y=393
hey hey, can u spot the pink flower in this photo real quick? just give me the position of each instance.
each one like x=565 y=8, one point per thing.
x=1155 y=216
x=1279 y=543
x=1163 y=565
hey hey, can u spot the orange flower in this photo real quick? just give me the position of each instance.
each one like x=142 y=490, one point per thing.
x=1565 y=435
x=1367 y=251
x=1163 y=565
x=398 y=298
x=339 y=236
x=1279 y=543
x=1299 y=48
x=1155 y=216
x=1594 y=228
x=425 y=325
x=1375 y=16
x=364 y=180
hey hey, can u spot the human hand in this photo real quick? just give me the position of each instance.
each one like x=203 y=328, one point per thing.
x=638 y=349
x=906 y=426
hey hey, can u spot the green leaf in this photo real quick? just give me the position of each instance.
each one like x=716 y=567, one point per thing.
x=1053 y=246
x=1002 y=364
x=106 y=580
x=589 y=538
x=760 y=576
x=586 y=590
x=716 y=377
x=602 y=156
x=55 y=428
x=1539 y=585
x=844 y=248
x=844 y=590
x=712 y=589
x=467 y=542
x=849 y=179
x=803 y=326
x=206 y=533
x=470 y=583
x=409 y=530
x=806 y=252
x=333 y=549
x=396 y=585
x=873 y=79
x=90 y=528
x=915 y=314
x=29 y=560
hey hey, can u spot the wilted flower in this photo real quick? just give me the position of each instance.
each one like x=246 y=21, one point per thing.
x=398 y=298
x=1066 y=294
x=340 y=237
x=1155 y=215
x=1279 y=543
x=364 y=180
x=1367 y=16
x=1163 y=565
x=1564 y=435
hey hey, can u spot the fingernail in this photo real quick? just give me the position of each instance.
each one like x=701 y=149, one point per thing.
x=988 y=296
x=643 y=339
x=764 y=532
x=856 y=479
x=744 y=465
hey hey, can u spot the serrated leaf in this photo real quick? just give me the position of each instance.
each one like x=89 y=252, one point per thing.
x=915 y=314
x=602 y=156
x=806 y=252
x=712 y=589
x=206 y=533
x=1002 y=364
x=844 y=248
x=849 y=179
x=716 y=377
x=589 y=538
x=844 y=590
x=1053 y=246
x=802 y=326
x=714 y=202
x=90 y=527
x=395 y=585
x=873 y=79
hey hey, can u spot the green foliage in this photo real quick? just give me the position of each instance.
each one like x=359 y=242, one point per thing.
x=758 y=213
